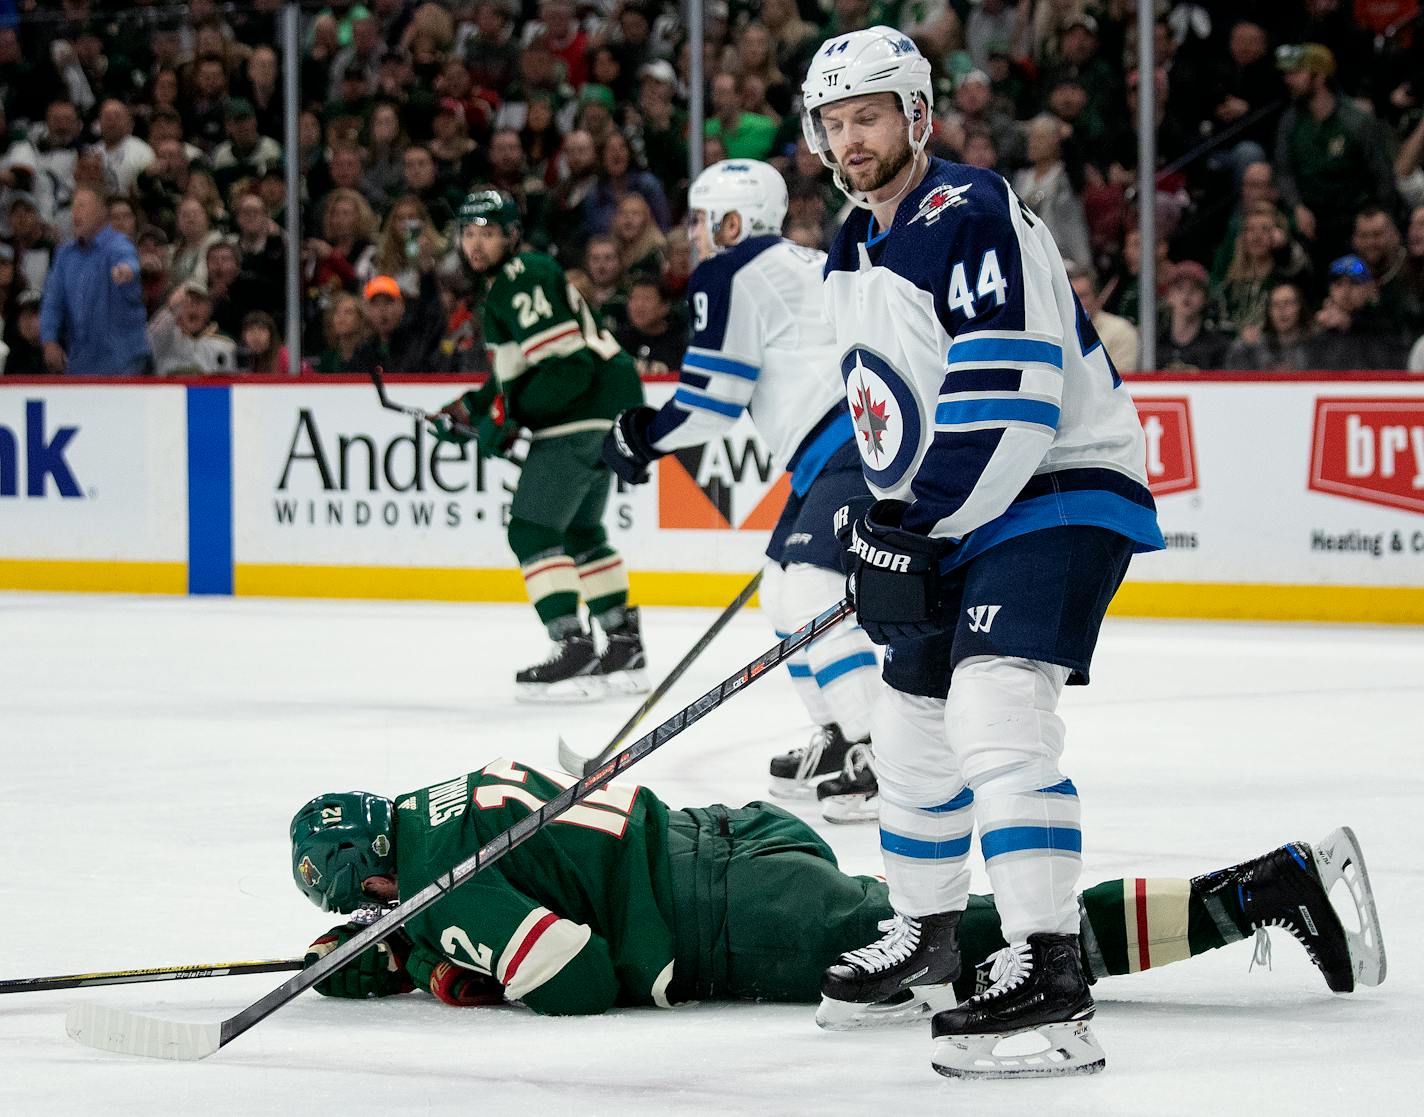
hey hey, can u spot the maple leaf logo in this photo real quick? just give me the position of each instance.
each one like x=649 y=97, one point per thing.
x=870 y=420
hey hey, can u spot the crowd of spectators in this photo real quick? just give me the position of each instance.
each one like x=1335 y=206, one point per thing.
x=143 y=171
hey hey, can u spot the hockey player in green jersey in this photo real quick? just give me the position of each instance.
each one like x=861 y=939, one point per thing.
x=557 y=374
x=625 y=901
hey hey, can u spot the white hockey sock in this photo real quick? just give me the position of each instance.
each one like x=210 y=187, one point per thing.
x=926 y=852
x=1032 y=844
x=837 y=677
x=1001 y=717
x=803 y=679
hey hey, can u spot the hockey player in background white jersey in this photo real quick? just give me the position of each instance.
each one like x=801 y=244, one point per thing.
x=761 y=344
x=1010 y=467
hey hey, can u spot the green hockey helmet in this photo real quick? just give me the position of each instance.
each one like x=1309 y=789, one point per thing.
x=338 y=840
x=490 y=207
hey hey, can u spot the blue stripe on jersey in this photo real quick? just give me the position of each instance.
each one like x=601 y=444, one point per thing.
x=798 y=670
x=958 y=803
x=1012 y=839
x=690 y=379
x=925 y=851
x=835 y=430
x=688 y=399
x=833 y=671
x=1064 y=787
x=694 y=359
x=997 y=411
x=983 y=380
x=1086 y=508
x=1016 y=351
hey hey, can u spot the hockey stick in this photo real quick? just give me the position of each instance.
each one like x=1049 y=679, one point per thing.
x=134 y=1034
x=377 y=376
x=577 y=765
x=156 y=973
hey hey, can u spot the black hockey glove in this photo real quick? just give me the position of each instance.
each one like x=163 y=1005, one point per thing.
x=626 y=449
x=892 y=575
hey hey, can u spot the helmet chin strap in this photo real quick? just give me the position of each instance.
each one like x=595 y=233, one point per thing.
x=917 y=148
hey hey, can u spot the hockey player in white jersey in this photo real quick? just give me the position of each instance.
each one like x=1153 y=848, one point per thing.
x=1010 y=470
x=761 y=344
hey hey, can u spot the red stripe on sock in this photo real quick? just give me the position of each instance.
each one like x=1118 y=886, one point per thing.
x=544 y=568
x=528 y=944
x=1144 y=960
x=587 y=571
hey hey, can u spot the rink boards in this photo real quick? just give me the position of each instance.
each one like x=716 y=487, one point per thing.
x=1281 y=498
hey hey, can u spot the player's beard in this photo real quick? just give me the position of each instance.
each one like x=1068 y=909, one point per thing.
x=883 y=170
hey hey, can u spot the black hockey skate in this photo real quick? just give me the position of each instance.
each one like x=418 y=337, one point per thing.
x=795 y=774
x=1032 y=1022
x=570 y=674
x=907 y=972
x=623 y=666
x=1287 y=888
x=854 y=794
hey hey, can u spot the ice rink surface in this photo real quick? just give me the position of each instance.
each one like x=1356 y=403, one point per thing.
x=155 y=749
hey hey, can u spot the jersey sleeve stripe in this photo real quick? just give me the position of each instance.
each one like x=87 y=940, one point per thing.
x=717 y=362
x=706 y=403
x=541 y=946
x=522 y=952
x=546 y=337
x=1003 y=350
x=964 y=411
x=983 y=380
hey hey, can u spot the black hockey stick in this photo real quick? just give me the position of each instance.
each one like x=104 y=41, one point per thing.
x=378 y=379
x=134 y=1034
x=377 y=376
x=577 y=765
x=156 y=973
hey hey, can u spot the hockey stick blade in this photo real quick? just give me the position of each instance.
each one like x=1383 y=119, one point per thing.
x=129 y=1033
x=134 y=1034
x=577 y=764
x=155 y=973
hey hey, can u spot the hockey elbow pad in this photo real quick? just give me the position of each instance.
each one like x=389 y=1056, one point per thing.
x=893 y=575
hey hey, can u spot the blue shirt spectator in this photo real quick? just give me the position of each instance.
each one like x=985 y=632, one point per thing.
x=92 y=318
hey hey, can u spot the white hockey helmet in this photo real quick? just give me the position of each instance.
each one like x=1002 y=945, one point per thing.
x=874 y=60
x=753 y=190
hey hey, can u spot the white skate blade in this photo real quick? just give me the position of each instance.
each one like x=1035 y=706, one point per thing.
x=627 y=682
x=581 y=688
x=1042 y=1052
x=784 y=787
x=848 y=1016
x=850 y=808
x=1338 y=858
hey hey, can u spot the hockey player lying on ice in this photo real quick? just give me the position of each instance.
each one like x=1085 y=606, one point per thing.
x=626 y=901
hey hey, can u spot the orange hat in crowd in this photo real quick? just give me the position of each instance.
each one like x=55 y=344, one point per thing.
x=382 y=285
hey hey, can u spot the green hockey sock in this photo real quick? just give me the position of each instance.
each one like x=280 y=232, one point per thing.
x=1140 y=922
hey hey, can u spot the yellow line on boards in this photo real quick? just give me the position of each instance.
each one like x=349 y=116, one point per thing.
x=462 y=584
x=63 y=575
x=1266 y=602
x=1217 y=601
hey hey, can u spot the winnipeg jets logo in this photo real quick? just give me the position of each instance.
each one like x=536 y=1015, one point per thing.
x=870 y=421
x=884 y=414
x=938 y=200
x=981 y=617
